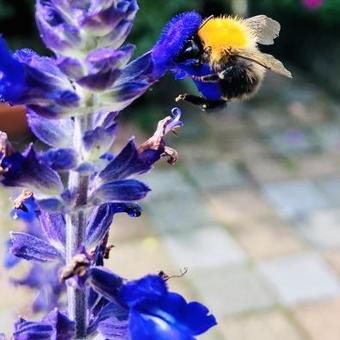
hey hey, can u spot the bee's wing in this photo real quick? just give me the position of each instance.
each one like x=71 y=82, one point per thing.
x=263 y=59
x=265 y=29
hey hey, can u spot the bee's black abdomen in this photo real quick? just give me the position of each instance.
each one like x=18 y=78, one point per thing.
x=240 y=80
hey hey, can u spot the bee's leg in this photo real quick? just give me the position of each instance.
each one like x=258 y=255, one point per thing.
x=204 y=103
x=223 y=74
x=208 y=78
x=213 y=77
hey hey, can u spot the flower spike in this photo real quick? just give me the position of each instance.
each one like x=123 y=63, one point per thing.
x=73 y=185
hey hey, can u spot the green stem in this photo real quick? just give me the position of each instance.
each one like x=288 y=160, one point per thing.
x=75 y=237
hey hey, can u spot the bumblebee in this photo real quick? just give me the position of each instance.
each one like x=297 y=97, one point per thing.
x=224 y=60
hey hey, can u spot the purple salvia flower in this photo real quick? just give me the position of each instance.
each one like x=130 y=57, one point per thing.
x=75 y=185
x=88 y=38
x=60 y=159
x=99 y=140
x=54 y=325
x=44 y=241
x=69 y=27
x=173 y=38
x=27 y=216
x=27 y=78
x=151 y=311
x=100 y=220
x=12 y=78
x=54 y=133
x=25 y=170
x=42 y=279
x=114 y=182
x=49 y=244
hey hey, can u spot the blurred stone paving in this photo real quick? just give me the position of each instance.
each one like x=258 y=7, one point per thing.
x=252 y=209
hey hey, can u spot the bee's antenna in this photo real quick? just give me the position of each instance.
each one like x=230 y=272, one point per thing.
x=206 y=21
x=167 y=277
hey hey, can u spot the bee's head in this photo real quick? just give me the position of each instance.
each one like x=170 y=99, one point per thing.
x=192 y=49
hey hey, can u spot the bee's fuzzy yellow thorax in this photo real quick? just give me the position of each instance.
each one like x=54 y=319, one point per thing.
x=223 y=33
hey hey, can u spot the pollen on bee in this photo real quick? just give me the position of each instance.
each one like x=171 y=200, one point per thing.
x=222 y=33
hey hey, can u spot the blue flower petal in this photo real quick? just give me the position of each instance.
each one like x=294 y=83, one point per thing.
x=103 y=67
x=45 y=81
x=110 y=19
x=111 y=319
x=136 y=77
x=54 y=227
x=127 y=163
x=120 y=32
x=26 y=78
x=56 y=34
x=173 y=38
x=72 y=67
x=99 y=140
x=122 y=95
x=157 y=314
x=101 y=220
x=51 y=204
x=54 y=325
x=140 y=69
x=146 y=327
x=29 y=213
x=99 y=224
x=29 y=330
x=113 y=309
x=112 y=329
x=33 y=248
x=12 y=78
x=102 y=20
x=104 y=17
x=10 y=260
x=64 y=328
x=193 y=317
x=105 y=120
x=148 y=288
x=154 y=313
x=105 y=59
x=121 y=191
x=99 y=81
x=26 y=170
x=60 y=159
x=39 y=175
x=128 y=50
x=105 y=282
x=12 y=165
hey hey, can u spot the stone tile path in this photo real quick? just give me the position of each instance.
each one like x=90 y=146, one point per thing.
x=252 y=209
